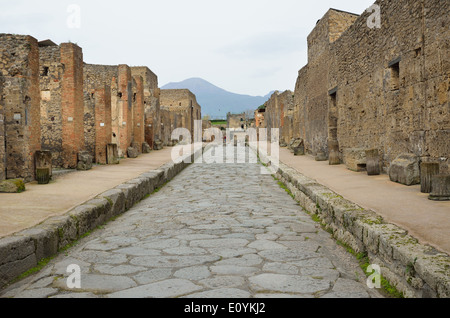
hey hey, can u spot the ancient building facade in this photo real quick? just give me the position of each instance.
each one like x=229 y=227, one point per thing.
x=20 y=132
x=183 y=109
x=311 y=93
x=381 y=88
x=51 y=100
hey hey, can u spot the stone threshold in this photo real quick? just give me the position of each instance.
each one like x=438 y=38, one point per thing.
x=23 y=251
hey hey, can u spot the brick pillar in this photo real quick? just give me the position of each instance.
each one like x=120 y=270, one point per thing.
x=125 y=101
x=103 y=125
x=72 y=104
x=21 y=105
x=138 y=113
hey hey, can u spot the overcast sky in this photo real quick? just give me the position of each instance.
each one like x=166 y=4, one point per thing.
x=244 y=46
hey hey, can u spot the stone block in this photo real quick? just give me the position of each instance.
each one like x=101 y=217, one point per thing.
x=440 y=188
x=405 y=169
x=373 y=162
x=131 y=194
x=321 y=156
x=333 y=148
x=297 y=146
x=146 y=148
x=84 y=161
x=15 y=247
x=355 y=159
x=65 y=226
x=427 y=171
x=12 y=186
x=132 y=153
x=116 y=198
x=46 y=242
x=158 y=145
x=42 y=160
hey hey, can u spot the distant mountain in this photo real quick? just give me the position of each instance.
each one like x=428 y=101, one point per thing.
x=217 y=102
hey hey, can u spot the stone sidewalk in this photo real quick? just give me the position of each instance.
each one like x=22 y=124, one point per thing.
x=215 y=231
x=428 y=221
x=40 y=202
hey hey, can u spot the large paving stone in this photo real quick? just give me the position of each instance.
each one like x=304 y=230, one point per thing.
x=193 y=273
x=165 y=289
x=173 y=261
x=288 y=283
x=229 y=293
x=222 y=243
x=98 y=283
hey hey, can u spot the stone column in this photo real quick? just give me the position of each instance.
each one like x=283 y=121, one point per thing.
x=440 y=188
x=427 y=171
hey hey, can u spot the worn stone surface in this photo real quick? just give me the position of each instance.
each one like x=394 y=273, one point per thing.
x=185 y=241
x=12 y=186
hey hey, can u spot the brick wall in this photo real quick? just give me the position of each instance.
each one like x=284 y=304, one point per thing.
x=19 y=69
x=72 y=104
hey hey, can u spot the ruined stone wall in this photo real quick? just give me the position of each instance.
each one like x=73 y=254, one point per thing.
x=99 y=78
x=279 y=113
x=152 y=116
x=286 y=102
x=19 y=70
x=184 y=103
x=50 y=79
x=393 y=82
x=313 y=101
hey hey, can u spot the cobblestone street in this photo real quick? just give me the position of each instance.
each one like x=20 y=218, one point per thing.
x=215 y=231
